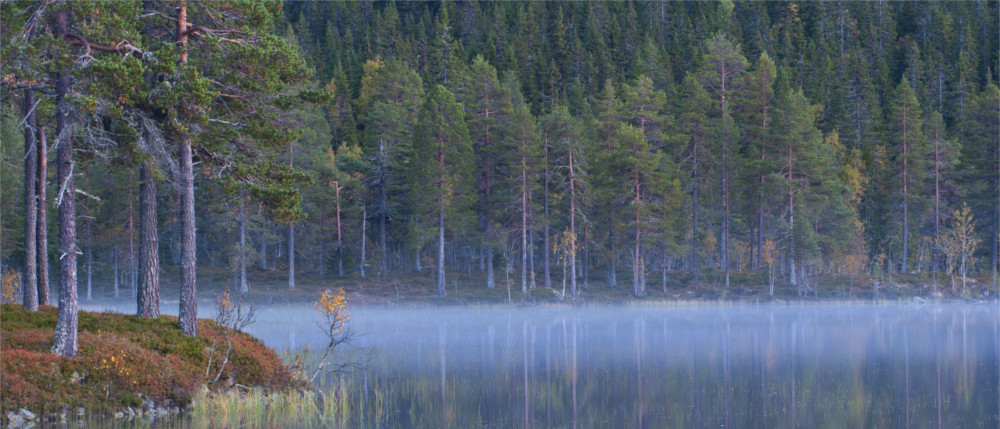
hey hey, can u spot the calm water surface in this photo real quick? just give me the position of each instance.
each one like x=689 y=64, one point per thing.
x=707 y=366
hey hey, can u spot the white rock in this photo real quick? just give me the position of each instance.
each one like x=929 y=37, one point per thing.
x=14 y=420
x=25 y=414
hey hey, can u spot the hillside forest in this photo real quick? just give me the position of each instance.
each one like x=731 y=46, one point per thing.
x=566 y=145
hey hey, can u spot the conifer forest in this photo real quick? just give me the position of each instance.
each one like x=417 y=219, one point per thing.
x=149 y=147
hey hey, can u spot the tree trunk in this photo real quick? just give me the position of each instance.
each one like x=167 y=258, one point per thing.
x=90 y=259
x=65 y=343
x=638 y=270
x=612 y=263
x=995 y=251
x=586 y=259
x=188 y=314
x=488 y=259
x=383 y=251
x=937 y=205
x=133 y=269
x=30 y=287
x=114 y=256
x=148 y=296
x=547 y=250
x=906 y=199
x=188 y=303
x=291 y=257
x=41 y=222
x=694 y=223
x=441 y=290
x=262 y=262
x=340 y=241
x=663 y=271
x=572 y=227
x=364 y=225
x=524 y=222
x=532 y=283
x=760 y=217
x=725 y=206
x=244 y=288
x=791 y=222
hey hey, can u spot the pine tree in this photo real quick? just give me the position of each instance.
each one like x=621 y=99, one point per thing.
x=722 y=75
x=522 y=135
x=441 y=169
x=487 y=104
x=801 y=144
x=568 y=162
x=941 y=159
x=608 y=116
x=980 y=168
x=393 y=93
x=649 y=190
x=695 y=156
x=909 y=152
x=758 y=118
x=210 y=105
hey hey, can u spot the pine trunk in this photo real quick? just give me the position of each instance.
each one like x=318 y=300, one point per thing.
x=114 y=256
x=791 y=223
x=41 y=222
x=30 y=287
x=612 y=263
x=937 y=206
x=694 y=223
x=906 y=198
x=545 y=221
x=441 y=290
x=90 y=260
x=188 y=312
x=133 y=271
x=638 y=270
x=524 y=223
x=188 y=303
x=67 y=321
x=725 y=206
x=572 y=228
x=148 y=296
x=244 y=288
x=340 y=241
x=364 y=225
x=383 y=252
x=532 y=283
x=291 y=257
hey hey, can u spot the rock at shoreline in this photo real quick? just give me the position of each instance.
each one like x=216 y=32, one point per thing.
x=26 y=415
x=14 y=420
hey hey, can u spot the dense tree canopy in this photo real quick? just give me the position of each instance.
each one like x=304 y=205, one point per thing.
x=635 y=137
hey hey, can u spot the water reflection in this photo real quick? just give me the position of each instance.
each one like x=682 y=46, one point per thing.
x=711 y=366
x=817 y=366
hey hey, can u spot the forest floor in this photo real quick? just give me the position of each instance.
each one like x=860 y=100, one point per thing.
x=268 y=286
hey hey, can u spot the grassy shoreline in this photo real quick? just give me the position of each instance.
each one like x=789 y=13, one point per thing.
x=270 y=286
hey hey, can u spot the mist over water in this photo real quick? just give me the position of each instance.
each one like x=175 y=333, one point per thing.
x=801 y=365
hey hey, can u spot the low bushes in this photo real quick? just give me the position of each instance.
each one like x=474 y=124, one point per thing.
x=123 y=361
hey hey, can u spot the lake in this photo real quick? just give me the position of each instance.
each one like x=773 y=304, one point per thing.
x=693 y=366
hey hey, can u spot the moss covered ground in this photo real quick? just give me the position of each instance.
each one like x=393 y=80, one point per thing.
x=123 y=361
